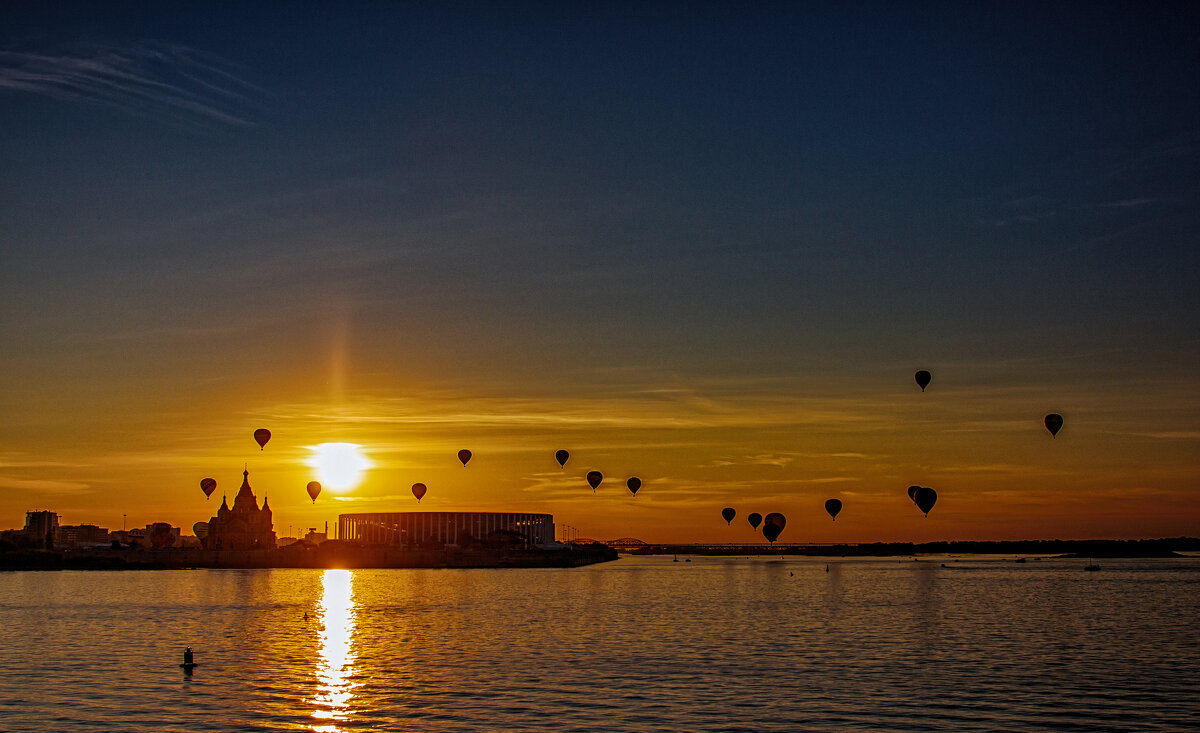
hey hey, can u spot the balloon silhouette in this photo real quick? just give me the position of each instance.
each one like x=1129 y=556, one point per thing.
x=923 y=378
x=562 y=456
x=314 y=488
x=208 y=485
x=1054 y=423
x=200 y=529
x=912 y=493
x=925 y=498
x=464 y=455
x=775 y=518
x=261 y=436
x=594 y=478
x=771 y=531
x=833 y=506
x=419 y=491
x=634 y=484
x=754 y=519
x=728 y=513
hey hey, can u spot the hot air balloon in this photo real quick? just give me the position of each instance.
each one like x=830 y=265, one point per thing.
x=464 y=455
x=772 y=526
x=634 y=484
x=833 y=506
x=923 y=378
x=314 y=488
x=925 y=498
x=912 y=493
x=1054 y=423
x=208 y=485
x=754 y=519
x=728 y=513
x=419 y=491
x=562 y=456
x=261 y=436
x=594 y=478
x=200 y=529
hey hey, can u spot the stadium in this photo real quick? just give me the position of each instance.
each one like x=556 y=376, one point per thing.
x=437 y=529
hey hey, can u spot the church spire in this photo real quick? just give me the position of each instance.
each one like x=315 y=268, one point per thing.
x=245 y=498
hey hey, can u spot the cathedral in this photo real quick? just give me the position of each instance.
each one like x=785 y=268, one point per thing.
x=245 y=526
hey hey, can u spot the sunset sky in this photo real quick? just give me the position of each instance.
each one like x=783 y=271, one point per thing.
x=703 y=244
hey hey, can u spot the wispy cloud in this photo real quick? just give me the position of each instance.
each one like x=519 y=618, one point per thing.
x=1129 y=203
x=23 y=460
x=45 y=486
x=175 y=82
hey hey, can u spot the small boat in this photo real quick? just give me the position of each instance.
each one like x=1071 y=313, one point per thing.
x=1091 y=567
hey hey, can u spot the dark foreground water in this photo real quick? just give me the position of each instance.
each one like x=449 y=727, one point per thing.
x=642 y=644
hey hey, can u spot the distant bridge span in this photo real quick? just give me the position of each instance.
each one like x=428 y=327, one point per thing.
x=641 y=547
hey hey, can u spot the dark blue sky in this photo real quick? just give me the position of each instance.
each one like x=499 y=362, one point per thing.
x=550 y=199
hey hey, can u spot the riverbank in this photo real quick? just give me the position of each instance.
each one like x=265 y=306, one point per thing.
x=1167 y=547
x=333 y=554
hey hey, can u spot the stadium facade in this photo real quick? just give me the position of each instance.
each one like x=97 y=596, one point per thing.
x=423 y=529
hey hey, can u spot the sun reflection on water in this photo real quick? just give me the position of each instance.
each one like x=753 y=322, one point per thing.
x=335 y=668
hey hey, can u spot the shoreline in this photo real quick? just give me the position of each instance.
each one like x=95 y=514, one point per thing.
x=350 y=555
x=333 y=554
x=1152 y=548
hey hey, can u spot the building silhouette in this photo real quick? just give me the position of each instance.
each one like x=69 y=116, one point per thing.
x=82 y=536
x=42 y=527
x=438 y=529
x=245 y=526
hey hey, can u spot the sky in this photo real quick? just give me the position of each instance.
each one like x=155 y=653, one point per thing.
x=705 y=244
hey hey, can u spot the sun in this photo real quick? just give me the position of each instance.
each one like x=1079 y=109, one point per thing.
x=339 y=465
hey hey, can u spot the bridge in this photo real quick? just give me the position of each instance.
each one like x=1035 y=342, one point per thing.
x=641 y=547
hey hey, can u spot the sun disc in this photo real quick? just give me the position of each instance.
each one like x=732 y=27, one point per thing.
x=339 y=465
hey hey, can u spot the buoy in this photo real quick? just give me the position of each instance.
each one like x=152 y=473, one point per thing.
x=188 y=665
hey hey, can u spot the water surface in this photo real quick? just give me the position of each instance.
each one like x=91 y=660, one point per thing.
x=641 y=644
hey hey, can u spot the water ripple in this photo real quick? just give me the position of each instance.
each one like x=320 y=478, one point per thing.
x=637 y=645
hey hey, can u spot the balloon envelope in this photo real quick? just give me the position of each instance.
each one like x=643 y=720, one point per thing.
x=925 y=498
x=634 y=484
x=771 y=532
x=314 y=488
x=775 y=518
x=912 y=493
x=200 y=529
x=754 y=519
x=594 y=478
x=833 y=506
x=208 y=486
x=562 y=456
x=261 y=436
x=464 y=455
x=419 y=491
x=923 y=378
x=1054 y=423
x=728 y=513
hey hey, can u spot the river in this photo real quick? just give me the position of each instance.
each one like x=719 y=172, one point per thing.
x=640 y=644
